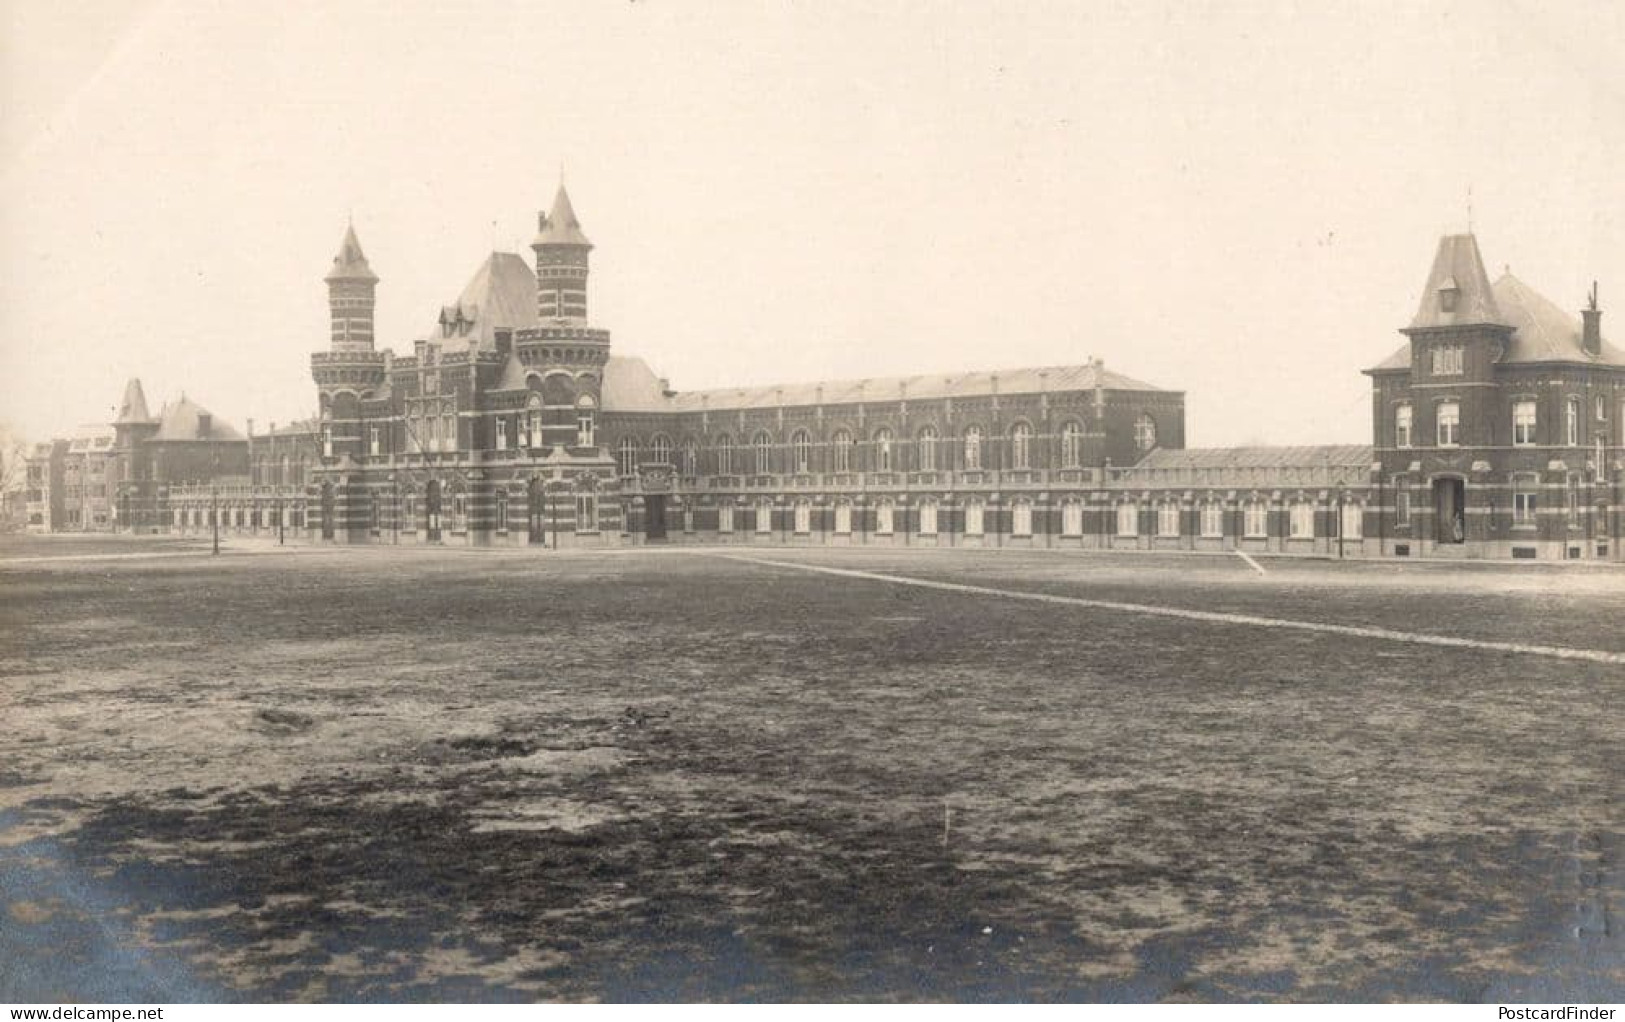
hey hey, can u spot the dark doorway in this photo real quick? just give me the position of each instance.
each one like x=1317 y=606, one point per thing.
x=431 y=511
x=535 y=505
x=1450 y=510
x=327 y=511
x=654 y=526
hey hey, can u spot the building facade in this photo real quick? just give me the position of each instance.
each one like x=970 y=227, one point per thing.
x=513 y=423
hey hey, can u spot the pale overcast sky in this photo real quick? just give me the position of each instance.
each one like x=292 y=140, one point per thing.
x=1240 y=201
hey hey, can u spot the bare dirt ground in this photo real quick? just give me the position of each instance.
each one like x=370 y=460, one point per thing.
x=399 y=775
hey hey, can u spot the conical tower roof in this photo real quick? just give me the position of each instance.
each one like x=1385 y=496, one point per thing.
x=134 y=406
x=1458 y=291
x=351 y=262
x=560 y=227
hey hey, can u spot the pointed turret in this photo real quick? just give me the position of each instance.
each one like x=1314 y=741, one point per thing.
x=561 y=262
x=351 y=286
x=351 y=262
x=1458 y=290
x=133 y=409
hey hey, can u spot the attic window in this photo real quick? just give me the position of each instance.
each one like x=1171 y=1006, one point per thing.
x=1449 y=295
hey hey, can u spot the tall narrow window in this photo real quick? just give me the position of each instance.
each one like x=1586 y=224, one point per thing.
x=973 y=517
x=691 y=458
x=1402 y=509
x=502 y=433
x=1071 y=445
x=1212 y=523
x=883 y=442
x=327 y=441
x=374 y=442
x=803 y=517
x=586 y=512
x=763 y=446
x=627 y=457
x=502 y=511
x=1571 y=422
x=1072 y=518
x=1168 y=519
x=1255 y=520
x=883 y=518
x=1523 y=422
x=1021 y=438
x=801 y=451
x=1353 y=524
x=584 y=422
x=725 y=518
x=973 y=448
x=1525 y=501
x=1301 y=521
x=840 y=446
x=843 y=519
x=1021 y=518
x=533 y=427
x=928 y=449
x=660 y=449
x=1402 y=426
x=764 y=515
x=725 y=455
x=1449 y=424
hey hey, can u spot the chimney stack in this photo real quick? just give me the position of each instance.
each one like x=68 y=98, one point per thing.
x=1591 y=336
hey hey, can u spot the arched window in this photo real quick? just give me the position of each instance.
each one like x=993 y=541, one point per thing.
x=928 y=517
x=691 y=458
x=627 y=456
x=1353 y=523
x=532 y=434
x=973 y=448
x=660 y=449
x=1255 y=523
x=973 y=517
x=584 y=421
x=928 y=449
x=1021 y=438
x=1128 y=519
x=843 y=518
x=803 y=516
x=1301 y=520
x=725 y=456
x=764 y=515
x=762 y=445
x=840 y=446
x=459 y=512
x=801 y=452
x=1212 y=519
x=883 y=518
x=1168 y=519
x=1072 y=518
x=883 y=442
x=1072 y=445
x=1021 y=517
x=1145 y=432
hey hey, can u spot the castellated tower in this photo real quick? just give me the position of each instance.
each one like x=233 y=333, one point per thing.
x=350 y=371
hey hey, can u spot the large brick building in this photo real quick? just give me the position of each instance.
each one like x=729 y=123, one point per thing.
x=513 y=423
x=1496 y=428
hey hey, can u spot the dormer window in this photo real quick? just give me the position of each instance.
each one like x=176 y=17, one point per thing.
x=1449 y=295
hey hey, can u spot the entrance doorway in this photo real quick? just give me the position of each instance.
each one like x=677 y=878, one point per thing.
x=1450 y=511
x=654 y=527
x=431 y=510
x=535 y=504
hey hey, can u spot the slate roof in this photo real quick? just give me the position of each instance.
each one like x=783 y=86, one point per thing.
x=1541 y=331
x=1457 y=265
x=133 y=408
x=501 y=294
x=351 y=262
x=561 y=227
x=179 y=421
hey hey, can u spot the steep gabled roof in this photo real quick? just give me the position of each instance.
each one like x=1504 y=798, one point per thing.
x=513 y=372
x=561 y=227
x=351 y=262
x=501 y=295
x=133 y=409
x=1543 y=332
x=180 y=421
x=631 y=386
x=1458 y=267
